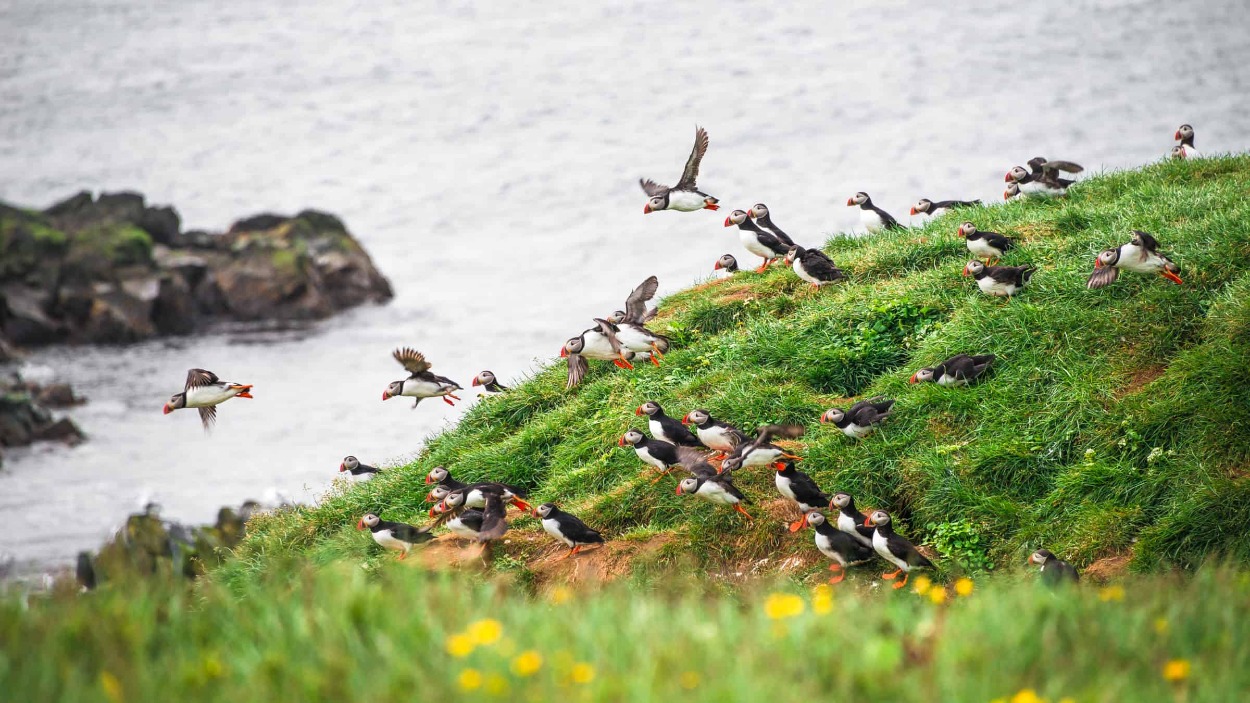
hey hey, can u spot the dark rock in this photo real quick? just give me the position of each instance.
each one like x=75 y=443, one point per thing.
x=257 y=223
x=162 y=223
x=23 y=318
x=118 y=318
x=56 y=395
x=174 y=310
x=73 y=204
x=63 y=430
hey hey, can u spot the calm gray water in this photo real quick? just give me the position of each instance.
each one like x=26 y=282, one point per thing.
x=488 y=159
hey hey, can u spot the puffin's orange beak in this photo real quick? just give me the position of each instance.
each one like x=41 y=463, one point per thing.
x=685 y=419
x=166 y=410
x=563 y=352
x=965 y=269
x=822 y=419
x=679 y=489
x=868 y=521
x=638 y=411
x=1007 y=178
x=1030 y=560
x=646 y=209
x=850 y=202
x=342 y=467
x=716 y=267
x=959 y=232
x=1097 y=263
x=802 y=522
x=621 y=442
x=428 y=480
x=912 y=379
x=360 y=524
x=1177 y=135
x=1006 y=195
x=728 y=223
x=386 y=395
x=909 y=212
x=475 y=382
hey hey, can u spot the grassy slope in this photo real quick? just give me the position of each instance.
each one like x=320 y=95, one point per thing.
x=1118 y=420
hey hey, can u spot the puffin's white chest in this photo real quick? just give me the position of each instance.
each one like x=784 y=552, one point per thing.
x=714 y=492
x=981 y=247
x=657 y=430
x=883 y=548
x=1190 y=152
x=948 y=380
x=634 y=338
x=783 y=486
x=648 y=459
x=720 y=438
x=847 y=524
x=205 y=396
x=553 y=528
x=855 y=431
x=457 y=526
x=597 y=346
x=761 y=456
x=387 y=540
x=802 y=272
x=1138 y=260
x=1033 y=188
x=825 y=545
x=752 y=244
x=685 y=200
x=870 y=219
x=420 y=388
x=990 y=286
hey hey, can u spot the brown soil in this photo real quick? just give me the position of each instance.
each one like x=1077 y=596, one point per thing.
x=1140 y=379
x=1107 y=568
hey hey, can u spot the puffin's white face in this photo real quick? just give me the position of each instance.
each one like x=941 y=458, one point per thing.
x=921 y=206
x=617 y=317
x=973 y=268
x=544 y=510
x=484 y=379
x=966 y=229
x=687 y=486
x=656 y=203
x=633 y=437
x=697 y=417
x=1107 y=258
x=350 y=463
x=369 y=520
x=1016 y=174
x=792 y=254
x=758 y=211
x=574 y=345
x=1012 y=191
x=1184 y=132
x=727 y=262
x=1178 y=152
x=736 y=217
x=841 y=500
x=438 y=493
x=922 y=376
x=833 y=415
x=438 y=474
x=1039 y=557
x=177 y=401
x=814 y=518
x=648 y=408
x=858 y=199
x=879 y=517
x=393 y=390
x=454 y=500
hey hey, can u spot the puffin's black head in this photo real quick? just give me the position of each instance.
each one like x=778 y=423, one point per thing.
x=1016 y=174
x=350 y=463
x=922 y=206
x=177 y=401
x=860 y=198
x=834 y=415
x=840 y=500
x=454 y=499
x=878 y=518
x=1040 y=557
x=974 y=268
x=736 y=217
x=1184 y=133
x=688 y=486
x=967 y=229
x=369 y=520
x=726 y=262
x=757 y=211
x=574 y=345
x=659 y=202
x=649 y=408
x=544 y=510
x=485 y=378
x=634 y=437
x=1013 y=189
x=437 y=475
x=793 y=253
x=696 y=417
x=922 y=376
x=813 y=518
x=392 y=390
x=1108 y=257
x=617 y=317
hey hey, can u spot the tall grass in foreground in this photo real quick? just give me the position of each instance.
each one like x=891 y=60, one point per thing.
x=394 y=634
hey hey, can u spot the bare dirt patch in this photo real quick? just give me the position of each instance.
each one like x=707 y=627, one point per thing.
x=1140 y=379
x=1107 y=568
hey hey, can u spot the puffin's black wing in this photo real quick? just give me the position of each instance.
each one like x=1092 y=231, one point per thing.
x=998 y=241
x=493 y=522
x=609 y=330
x=412 y=360
x=952 y=204
x=906 y=551
x=695 y=462
x=651 y=188
x=888 y=219
x=1145 y=242
x=820 y=267
x=472 y=519
x=578 y=366
x=446 y=381
x=572 y=527
x=725 y=479
x=691 y=173
x=636 y=303
x=780 y=235
x=663 y=451
x=1102 y=276
x=208 y=416
x=767 y=432
x=410 y=534
x=1053 y=167
x=197 y=378
x=1018 y=275
x=806 y=490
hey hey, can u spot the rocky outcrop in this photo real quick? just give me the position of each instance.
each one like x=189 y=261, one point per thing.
x=24 y=414
x=115 y=270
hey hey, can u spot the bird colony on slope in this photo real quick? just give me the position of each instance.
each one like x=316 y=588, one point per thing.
x=477 y=511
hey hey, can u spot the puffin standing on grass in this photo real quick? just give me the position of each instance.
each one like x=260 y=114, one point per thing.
x=924 y=206
x=1054 y=570
x=1185 y=135
x=759 y=213
x=393 y=535
x=842 y=548
x=872 y=217
x=761 y=451
x=353 y=465
x=858 y=420
x=1043 y=177
x=799 y=488
x=442 y=477
x=1141 y=255
x=715 y=488
x=652 y=452
x=595 y=343
x=726 y=263
x=850 y=520
x=491 y=498
x=488 y=382
x=665 y=428
x=991 y=245
x=813 y=266
x=714 y=434
x=204 y=391
x=685 y=196
x=567 y=528
x=959 y=370
x=895 y=549
x=1002 y=281
x=421 y=384
x=763 y=244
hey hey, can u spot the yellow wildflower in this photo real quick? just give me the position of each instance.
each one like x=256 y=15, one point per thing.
x=822 y=599
x=1176 y=670
x=780 y=606
x=469 y=679
x=964 y=587
x=1161 y=626
x=559 y=595
x=582 y=673
x=485 y=632
x=1027 y=695
x=1111 y=593
x=921 y=585
x=112 y=687
x=937 y=595
x=689 y=680
x=527 y=663
x=460 y=645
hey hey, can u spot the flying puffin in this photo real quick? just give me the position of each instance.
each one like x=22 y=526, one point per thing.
x=685 y=196
x=652 y=452
x=1054 y=570
x=726 y=263
x=567 y=528
x=800 y=488
x=761 y=451
x=488 y=382
x=595 y=343
x=850 y=520
x=857 y=421
x=991 y=245
x=713 y=433
x=999 y=280
x=665 y=428
x=924 y=206
x=843 y=549
x=421 y=384
x=203 y=390
x=813 y=266
x=716 y=488
x=352 y=464
x=763 y=244
x=1043 y=176
x=759 y=213
x=1141 y=255
x=1185 y=135
x=895 y=549
x=636 y=304
x=872 y=217
x=959 y=370
x=630 y=328
x=393 y=535
x=1012 y=190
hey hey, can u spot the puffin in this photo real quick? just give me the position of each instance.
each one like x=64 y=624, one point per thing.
x=716 y=488
x=799 y=488
x=759 y=213
x=436 y=496
x=959 y=370
x=850 y=520
x=491 y=498
x=636 y=310
x=1140 y=255
x=761 y=451
x=665 y=428
x=726 y=263
x=999 y=280
x=488 y=382
x=630 y=328
x=466 y=524
x=1178 y=152
x=763 y=244
x=204 y=391
x=1054 y=570
x=842 y=548
x=1012 y=190
x=1043 y=176
x=895 y=549
x=421 y=384
x=685 y=196
x=652 y=452
x=352 y=464
x=393 y=535
x=1185 y=135
x=872 y=217
x=813 y=266
x=475 y=495
x=991 y=245
x=442 y=477
x=924 y=206
x=595 y=343
x=857 y=421
x=714 y=434
x=567 y=528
